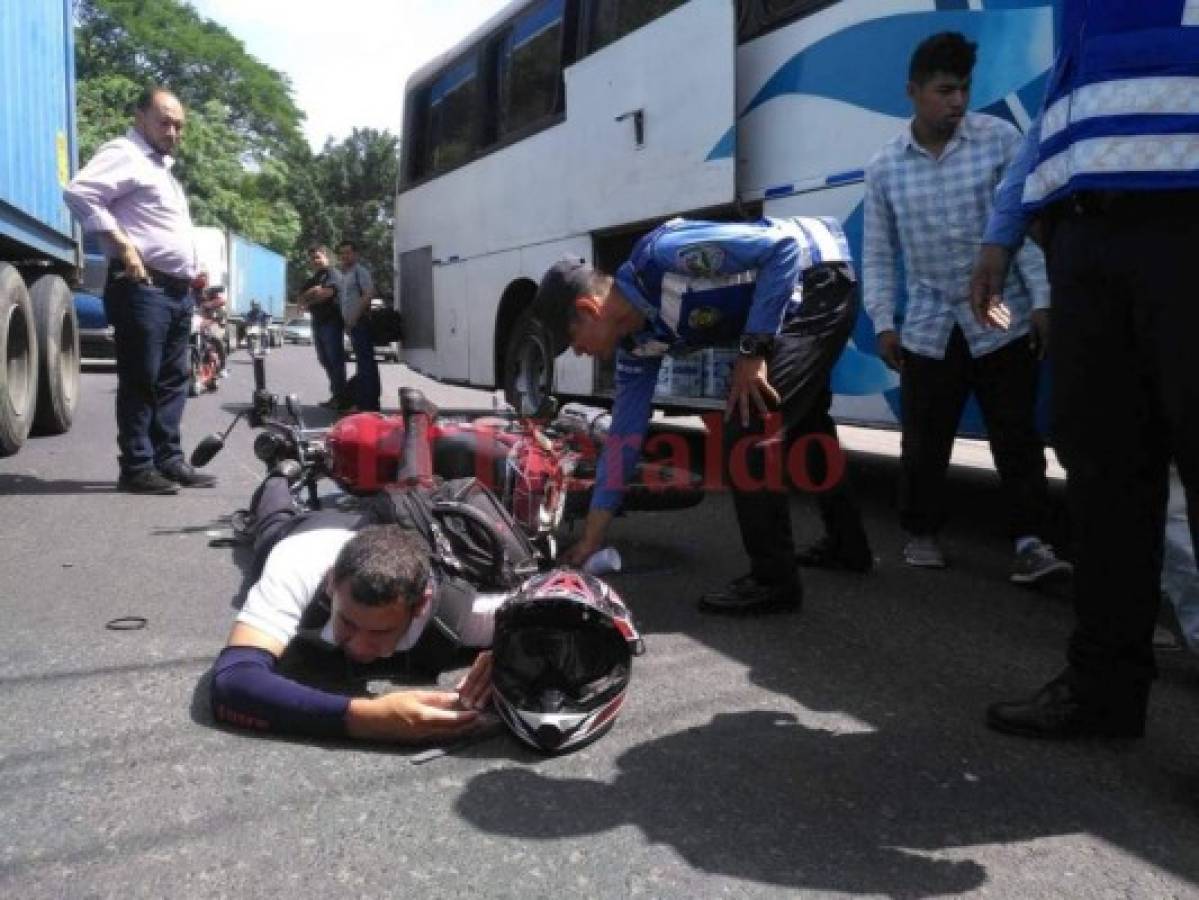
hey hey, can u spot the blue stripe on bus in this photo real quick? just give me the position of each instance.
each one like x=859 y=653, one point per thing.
x=845 y=177
x=537 y=23
x=780 y=190
x=453 y=79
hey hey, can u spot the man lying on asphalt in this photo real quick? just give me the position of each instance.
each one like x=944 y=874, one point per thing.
x=362 y=594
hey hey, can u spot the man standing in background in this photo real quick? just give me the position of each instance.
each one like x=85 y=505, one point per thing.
x=928 y=194
x=128 y=196
x=357 y=289
x=321 y=297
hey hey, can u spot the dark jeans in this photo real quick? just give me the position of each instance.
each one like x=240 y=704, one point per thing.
x=798 y=368
x=367 y=384
x=933 y=393
x=1126 y=400
x=151 y=330
x=276 y=516
x=329 y=341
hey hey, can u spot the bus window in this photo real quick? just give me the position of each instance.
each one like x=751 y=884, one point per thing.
x=451 y=135
x=531 y=67
x=756 y=17
x=613 y=19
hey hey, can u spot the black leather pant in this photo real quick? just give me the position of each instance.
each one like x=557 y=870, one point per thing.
x=1126 y=401
x=798 y=368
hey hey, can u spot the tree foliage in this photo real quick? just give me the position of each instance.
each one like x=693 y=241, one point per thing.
x=168 y=42
x=348 y=193
x=244 y=162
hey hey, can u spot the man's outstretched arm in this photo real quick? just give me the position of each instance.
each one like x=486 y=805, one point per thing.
x=249 y=692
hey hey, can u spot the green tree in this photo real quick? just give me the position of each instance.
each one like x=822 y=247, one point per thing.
x=168 y=42
x=348 y=192
x=242 y=128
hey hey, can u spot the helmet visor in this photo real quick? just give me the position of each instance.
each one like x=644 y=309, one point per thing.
x=575 y=665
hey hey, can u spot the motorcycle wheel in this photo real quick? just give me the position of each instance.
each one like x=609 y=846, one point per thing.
x=210 y=370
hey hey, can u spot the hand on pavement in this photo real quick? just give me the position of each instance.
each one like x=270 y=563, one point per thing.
x=410 y=717
x=474 y=690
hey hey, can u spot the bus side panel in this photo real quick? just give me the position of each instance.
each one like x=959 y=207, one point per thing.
x=679 y=75
x=487 y=279
x=583 y=174
x=451 y=327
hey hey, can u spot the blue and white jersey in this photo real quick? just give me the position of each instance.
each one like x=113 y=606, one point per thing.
x=700 y=284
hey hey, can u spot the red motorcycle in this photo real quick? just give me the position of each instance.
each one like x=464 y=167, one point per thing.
x=542 y=468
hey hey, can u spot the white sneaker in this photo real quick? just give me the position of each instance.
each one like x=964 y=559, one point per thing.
x=924 y=553
x=1036 y=562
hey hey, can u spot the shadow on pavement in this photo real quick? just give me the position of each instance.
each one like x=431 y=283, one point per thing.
x=755 y=796
x=14 y=483
x=892 y=798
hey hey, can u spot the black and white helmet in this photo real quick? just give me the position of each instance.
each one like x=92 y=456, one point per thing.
x=563 y=657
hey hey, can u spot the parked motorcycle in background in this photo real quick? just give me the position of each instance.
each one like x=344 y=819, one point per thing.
x=208 y=349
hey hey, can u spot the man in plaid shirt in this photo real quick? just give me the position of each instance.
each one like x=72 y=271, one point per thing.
x=928 y=195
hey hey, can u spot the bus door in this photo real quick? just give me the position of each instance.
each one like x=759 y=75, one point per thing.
x=652 y=112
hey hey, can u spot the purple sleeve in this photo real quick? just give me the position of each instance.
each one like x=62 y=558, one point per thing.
x=247 y=692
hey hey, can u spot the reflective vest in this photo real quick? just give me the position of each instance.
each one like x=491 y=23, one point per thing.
x=1122 y=110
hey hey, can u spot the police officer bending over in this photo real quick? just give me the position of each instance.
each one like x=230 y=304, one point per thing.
x=784 y=291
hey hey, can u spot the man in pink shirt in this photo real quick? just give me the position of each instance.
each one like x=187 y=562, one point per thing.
x=128 y=196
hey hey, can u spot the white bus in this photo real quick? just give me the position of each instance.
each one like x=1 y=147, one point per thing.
x=572 y=127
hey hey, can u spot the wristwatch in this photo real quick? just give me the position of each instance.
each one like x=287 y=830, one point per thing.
x=758 y=345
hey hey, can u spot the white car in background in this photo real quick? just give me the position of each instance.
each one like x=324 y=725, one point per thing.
x=297 y=331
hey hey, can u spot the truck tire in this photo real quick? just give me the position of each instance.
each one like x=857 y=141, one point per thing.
x=18 y=361
x=58 y=355
x=528 y=364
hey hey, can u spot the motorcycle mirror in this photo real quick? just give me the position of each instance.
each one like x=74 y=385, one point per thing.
x=205 y=450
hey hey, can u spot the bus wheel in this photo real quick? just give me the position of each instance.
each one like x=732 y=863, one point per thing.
x=58 y=355
x=528 y=365
x=18 y=361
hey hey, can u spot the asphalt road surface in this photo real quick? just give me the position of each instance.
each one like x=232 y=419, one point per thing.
x=840 y=751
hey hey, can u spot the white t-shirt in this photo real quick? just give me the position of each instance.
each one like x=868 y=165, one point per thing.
x=295 y=571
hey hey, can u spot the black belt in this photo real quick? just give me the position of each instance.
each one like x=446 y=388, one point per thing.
x=1131 y=204
x=174 y=285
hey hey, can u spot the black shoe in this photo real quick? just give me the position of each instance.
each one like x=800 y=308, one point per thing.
x=182 y=474
x=146 y=481
x=748 y=596
x=829 y=554
x=414 y=401
x=1060 y=710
